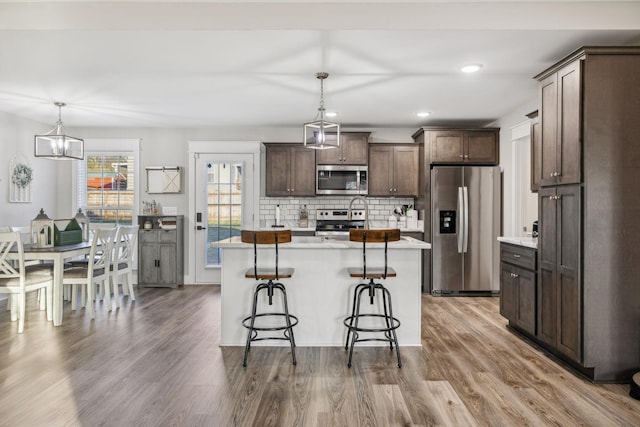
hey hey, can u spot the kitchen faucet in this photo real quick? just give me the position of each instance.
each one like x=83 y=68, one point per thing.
x=366 y=210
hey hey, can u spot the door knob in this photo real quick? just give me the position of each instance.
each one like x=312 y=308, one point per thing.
x=199 y=227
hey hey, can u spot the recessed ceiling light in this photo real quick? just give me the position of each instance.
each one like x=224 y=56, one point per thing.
x=470 y=68
x=330 y=114
x=423 y=114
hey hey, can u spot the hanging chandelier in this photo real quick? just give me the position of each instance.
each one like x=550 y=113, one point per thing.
x=321 y=134
x=56 y=145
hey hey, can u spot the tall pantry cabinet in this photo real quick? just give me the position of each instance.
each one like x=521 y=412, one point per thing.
x=588 y=299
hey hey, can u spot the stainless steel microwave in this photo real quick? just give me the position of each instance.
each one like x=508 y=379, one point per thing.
x=341 y=179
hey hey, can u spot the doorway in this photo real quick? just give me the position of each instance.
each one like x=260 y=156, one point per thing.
x=225 y=201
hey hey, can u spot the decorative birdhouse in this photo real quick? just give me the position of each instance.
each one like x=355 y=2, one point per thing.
x=42 y=230
x=83 y=222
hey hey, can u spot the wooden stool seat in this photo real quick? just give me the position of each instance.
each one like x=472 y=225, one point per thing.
x=374 y=236
x=372 y=273
x=269 y=274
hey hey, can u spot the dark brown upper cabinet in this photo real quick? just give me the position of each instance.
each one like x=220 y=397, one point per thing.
x=353 y=150
x=290 y=170
x=393 y=170
x=455 y=146
x=560 y=126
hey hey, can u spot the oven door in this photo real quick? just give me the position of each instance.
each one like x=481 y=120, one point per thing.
x=341 y=179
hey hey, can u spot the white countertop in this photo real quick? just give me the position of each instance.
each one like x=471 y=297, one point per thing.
x=330 y=242
x=530 y=242
x=293 y=226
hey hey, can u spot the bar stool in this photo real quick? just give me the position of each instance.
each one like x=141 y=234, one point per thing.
x=389 y=324
x=267 y=277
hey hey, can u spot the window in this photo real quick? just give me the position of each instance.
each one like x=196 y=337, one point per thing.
x=107 y=181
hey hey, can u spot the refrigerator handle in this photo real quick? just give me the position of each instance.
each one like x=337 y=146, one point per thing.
x=460 y=220
x=465 y=202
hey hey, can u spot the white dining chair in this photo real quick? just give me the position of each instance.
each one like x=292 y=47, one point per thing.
x=122 y=263
x=25 y=236
x=16 y=279
x=96 y=270
x=25 y=232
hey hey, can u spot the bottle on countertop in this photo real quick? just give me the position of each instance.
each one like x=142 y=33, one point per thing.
x=303 y=221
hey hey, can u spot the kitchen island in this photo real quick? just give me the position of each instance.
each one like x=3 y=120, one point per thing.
x=320 y=289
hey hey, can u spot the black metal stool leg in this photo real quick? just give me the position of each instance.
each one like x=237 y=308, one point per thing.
x=253 y=321
x=387 y=319
x=289 y=329
x=393 y=331
x=355 y=319
x=353 y=312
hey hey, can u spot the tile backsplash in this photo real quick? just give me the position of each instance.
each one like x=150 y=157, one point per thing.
x=379 y=207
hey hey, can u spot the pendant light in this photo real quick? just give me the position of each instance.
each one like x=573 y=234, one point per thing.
x=321 y=134
x=56 y=145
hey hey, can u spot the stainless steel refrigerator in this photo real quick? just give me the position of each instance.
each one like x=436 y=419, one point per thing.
x=466 y=221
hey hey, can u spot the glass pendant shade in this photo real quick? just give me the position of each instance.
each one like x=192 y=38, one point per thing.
x=320 y=133
x=56 y=145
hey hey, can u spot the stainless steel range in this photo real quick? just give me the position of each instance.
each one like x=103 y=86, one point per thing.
x=336 y=222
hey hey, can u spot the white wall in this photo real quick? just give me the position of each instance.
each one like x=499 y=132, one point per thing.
x=16 y=139
x=517 y=116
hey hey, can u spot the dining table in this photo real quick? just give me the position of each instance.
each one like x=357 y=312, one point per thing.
x=59 y=255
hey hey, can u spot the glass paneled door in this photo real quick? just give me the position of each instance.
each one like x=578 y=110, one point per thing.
x=223 y=205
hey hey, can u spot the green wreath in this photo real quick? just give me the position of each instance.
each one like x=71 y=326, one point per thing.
x=22 y=175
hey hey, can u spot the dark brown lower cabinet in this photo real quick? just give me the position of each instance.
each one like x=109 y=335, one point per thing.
x=559 y=289
x=518 y=286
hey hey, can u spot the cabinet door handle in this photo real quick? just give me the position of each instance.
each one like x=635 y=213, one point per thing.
x=516 y=256
x=461 y=156
x=514 y=275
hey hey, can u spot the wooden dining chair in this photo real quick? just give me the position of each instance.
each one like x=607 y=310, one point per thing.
x=16 y=279
x=96 y=270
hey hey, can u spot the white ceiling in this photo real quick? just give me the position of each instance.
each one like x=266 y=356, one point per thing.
x=224 y=63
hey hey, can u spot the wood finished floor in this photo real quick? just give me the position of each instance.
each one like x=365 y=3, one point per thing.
x=156 y=362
